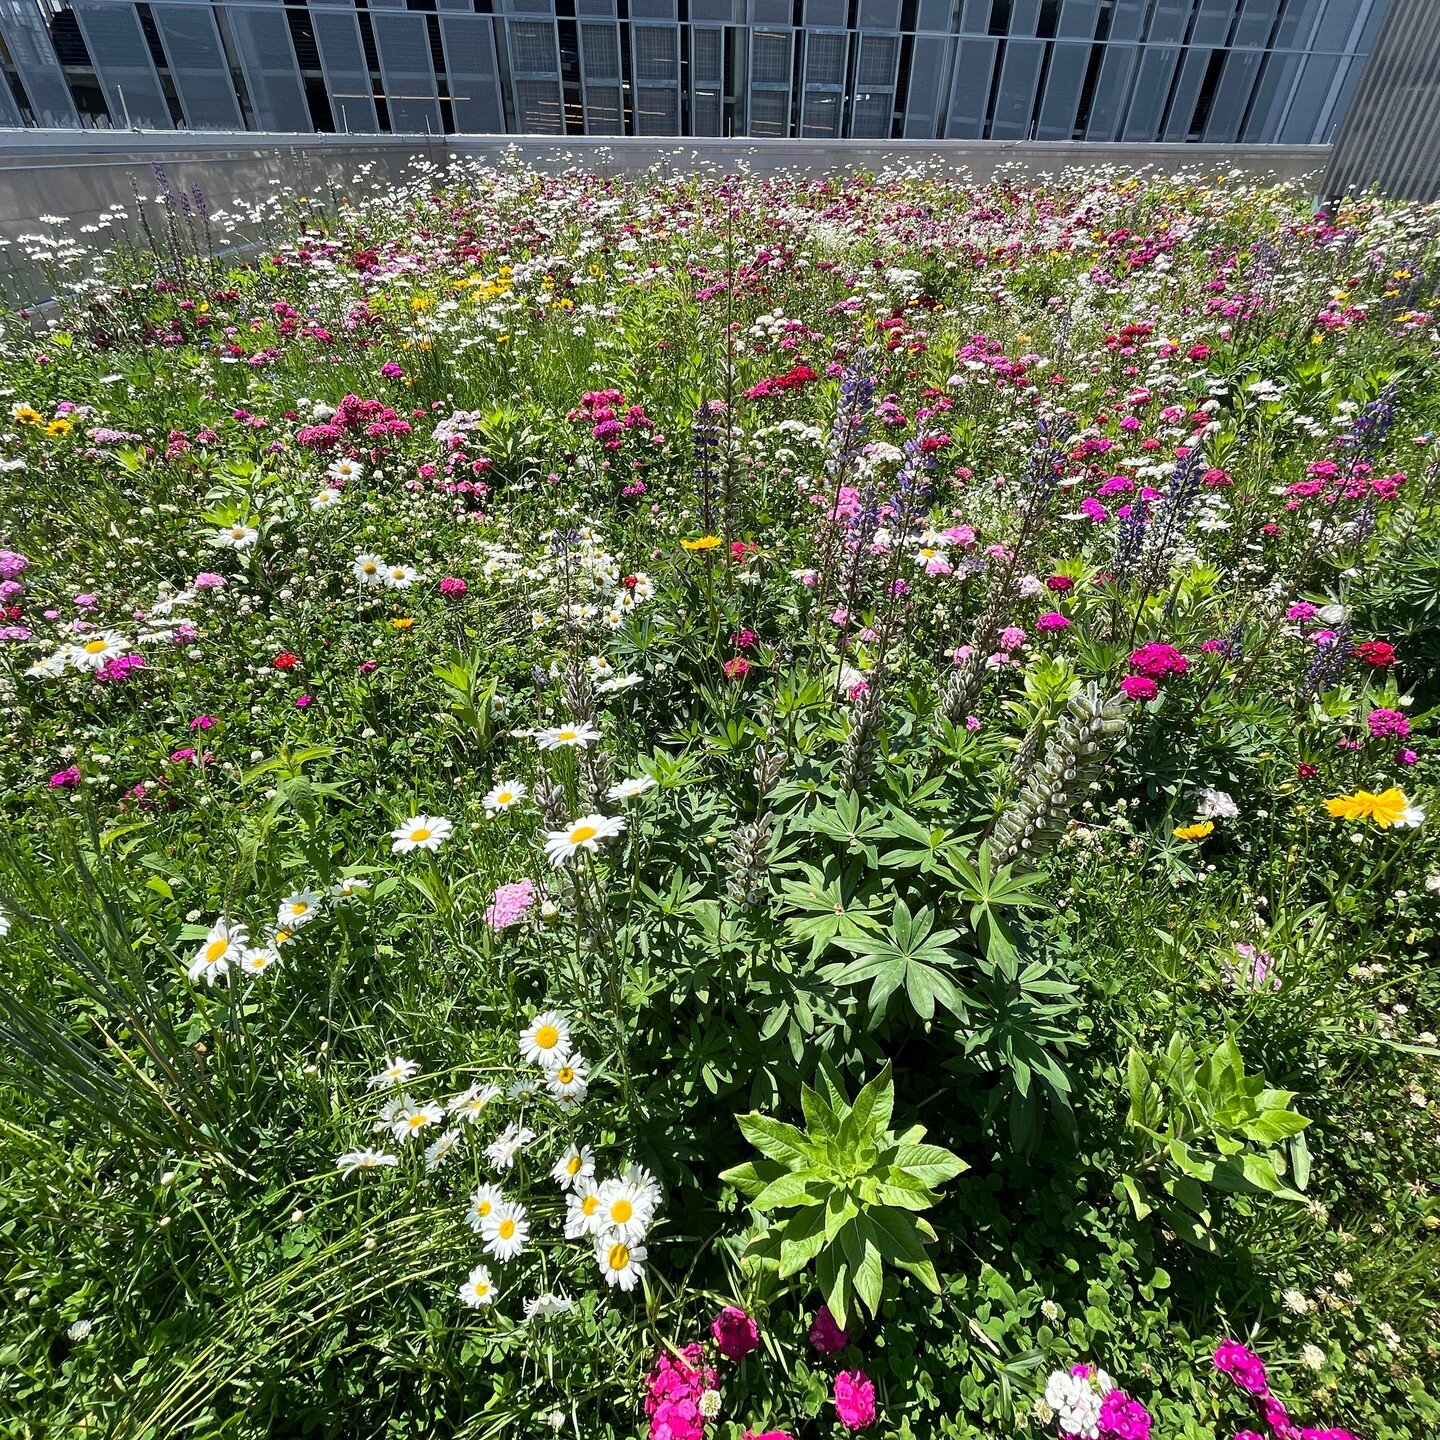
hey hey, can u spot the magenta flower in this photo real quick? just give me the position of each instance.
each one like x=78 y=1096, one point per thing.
x=737 y=668
x=854 y=1399
x=201 y=722
x=207 y=580
x=825 y=1335
x=1052 y=620
x=1156 y=660
x=452 y=587
x=1124 y=1418
x=1139 y=687
x=1243 y=1366
x=65 y=779
x=1387 y=722
x=735 y=1333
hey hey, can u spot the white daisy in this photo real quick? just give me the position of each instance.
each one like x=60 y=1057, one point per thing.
x=424 y=832
x=523 y=1088
x=257 y=960
x=569 y=1079
x=583 y=1216
x=629 y=789
x=223 y=945
x=344 y=469
x=574 y=1167
x=620 y=1263
x=543 y=1306
x=438 y=1151
x=353 y=1160
x=582 y=834
x=505 y=1231
x=505 y=794
x=400 y=577
x=578 y=733
x=468 y=1106
x=326 y=499
x=98 y=650
x=623 y=1209
x=483 y=1204
x=648 y=1186
x=479 y=1289
x=298 y=908
x=406 y=1118
x=395 y=1072
x=4 y=924
x=619 y=682
x=546 y=1039
x=501 y=1151
x=235 y=537
x=349 y=888
x=370 y=570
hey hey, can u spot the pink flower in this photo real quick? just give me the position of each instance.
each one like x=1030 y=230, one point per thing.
x=1012 y=637
x=1243 y=1366
x=1406 y=757
x=1387 y=722
x=1053 y=620
x=1157 y=660
x=825 y=1335
x=1139 y=687
x=737 y=668
x=1123 y=1417
x=854 y=1399
x=303 y=702
x=206 y=580
x=1301 y=610
x=510 y=905
x=452 y=587
x=65 y=779
x=735 y=1333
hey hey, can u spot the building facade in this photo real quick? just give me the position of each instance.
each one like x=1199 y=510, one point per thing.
x=1219 y=71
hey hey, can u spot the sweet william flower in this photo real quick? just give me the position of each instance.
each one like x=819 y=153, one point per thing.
x=735 y=1333
x=1243 y=1366
x=825 y=1335
x=854 y=1399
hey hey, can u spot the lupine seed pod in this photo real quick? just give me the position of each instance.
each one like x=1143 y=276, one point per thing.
x=577 y=691
x=550 y=799
x=962 y=689
x=749 y=861
x=769 y=767
x=857 y=759
x=1072 y=759
x=597 y=775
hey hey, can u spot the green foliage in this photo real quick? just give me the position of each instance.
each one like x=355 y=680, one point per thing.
x=844 y=1195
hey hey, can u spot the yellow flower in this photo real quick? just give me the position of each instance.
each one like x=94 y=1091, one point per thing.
x=705 y=542
x=402 y=623
x=26 y=414
x=1386 y=809
x=58 y=427
x=1198 y=831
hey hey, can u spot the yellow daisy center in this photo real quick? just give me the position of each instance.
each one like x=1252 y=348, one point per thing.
x=590 y=1204
x=565 y=1075
x=572 y=1165
x=483 y=1208
x=214 y=950
x=566 y=734
x=547 y=1037
x=581 y=833
x=506 y=1229
x=416 y=1121
x=504 y=797
x=299 y=907
x=618 y=1257
x=370 y=567
x=420 y=832
x=94 y=647
x=621 y=1211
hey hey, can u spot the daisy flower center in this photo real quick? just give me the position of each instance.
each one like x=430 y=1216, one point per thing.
x=619 y=1257
x=547 y=1037
x=621 y=1211
x=566 y=734
x=565 y=1075
x=581 y=833
x=370 y=567
x=215 y=949
x=94 y=647
x=590 y=1204
x=416 y=1121
x=506 y=1229
x=420 y=833
x=572 y=1165
x=483 y=1208
x=299 y=908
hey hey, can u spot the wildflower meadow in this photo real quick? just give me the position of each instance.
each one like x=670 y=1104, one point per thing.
x=723 y=808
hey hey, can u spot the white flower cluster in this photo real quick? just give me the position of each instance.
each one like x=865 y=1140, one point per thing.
x=1076 y=1401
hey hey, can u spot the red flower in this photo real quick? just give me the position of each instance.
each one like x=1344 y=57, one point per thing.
x=285 y=661
x=1306 y=771
x=1378 y=653
x=737 y=668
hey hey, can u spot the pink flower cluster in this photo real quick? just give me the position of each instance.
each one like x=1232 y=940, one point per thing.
x=510 y=905
x=1247 y=1370
x=354 y=416
x=735 y=1333
x=609 y=416
x=673 y=1405
x=1387 y=722
x=1123 y=1417
x=1149 y=664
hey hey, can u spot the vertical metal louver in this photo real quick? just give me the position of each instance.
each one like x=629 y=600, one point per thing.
x=403 y=45
x=198 y=66
x=470 y=64
x=347 y=75
x=123 y=65
x=28 y=40
x=272 y=73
